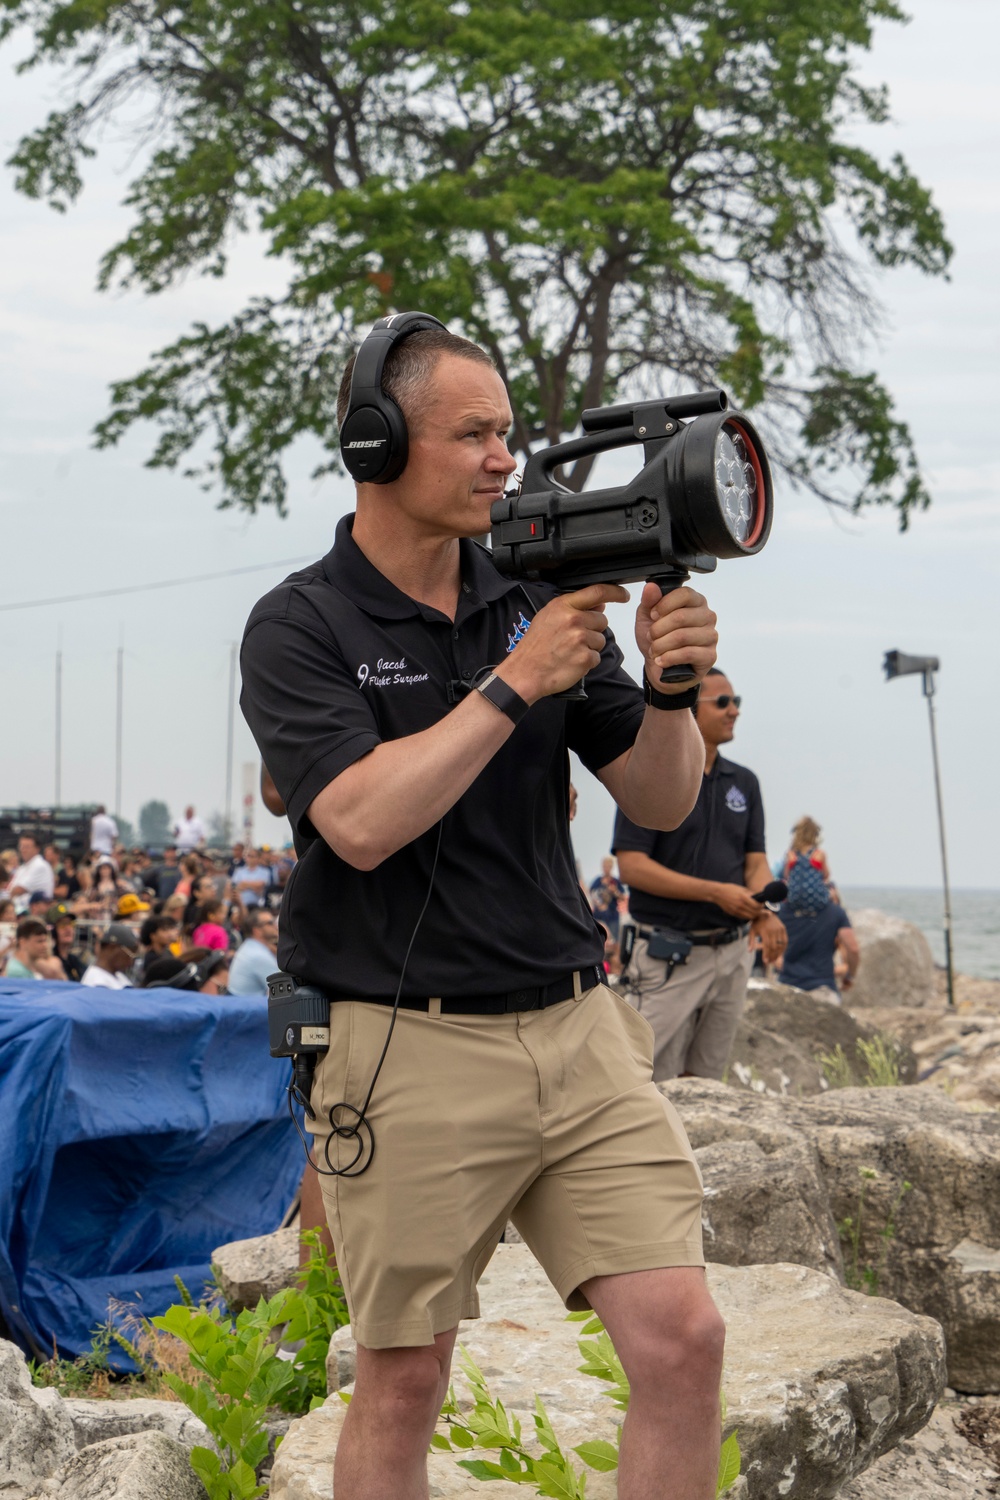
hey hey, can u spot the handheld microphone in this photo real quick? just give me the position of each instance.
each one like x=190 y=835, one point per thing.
x=772 y=895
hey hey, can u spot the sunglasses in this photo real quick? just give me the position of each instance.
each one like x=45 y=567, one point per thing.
x=724 y=700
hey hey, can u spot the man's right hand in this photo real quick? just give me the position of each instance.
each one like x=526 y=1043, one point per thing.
x=563 y=643
x=736 y=901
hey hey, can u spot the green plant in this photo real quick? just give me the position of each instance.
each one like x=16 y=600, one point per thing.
x=240 y=1372
x=837 y=1068
x=881 y=1059
x=552 y=1472
x=865 y=1275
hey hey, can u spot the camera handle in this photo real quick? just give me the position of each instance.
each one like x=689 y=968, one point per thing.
x=674 y=578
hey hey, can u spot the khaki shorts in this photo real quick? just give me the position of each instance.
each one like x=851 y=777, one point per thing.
x=549 y=1118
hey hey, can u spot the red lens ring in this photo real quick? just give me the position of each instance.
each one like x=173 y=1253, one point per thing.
x=754 y=536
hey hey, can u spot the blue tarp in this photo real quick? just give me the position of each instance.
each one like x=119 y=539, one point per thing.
x=138 y=1131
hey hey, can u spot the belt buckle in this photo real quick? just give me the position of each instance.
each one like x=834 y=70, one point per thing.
x=516 y=1000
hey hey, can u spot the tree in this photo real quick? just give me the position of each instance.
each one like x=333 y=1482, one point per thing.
x=220 y=831
x=607 y=194
x=155 y=824
x=126 y=833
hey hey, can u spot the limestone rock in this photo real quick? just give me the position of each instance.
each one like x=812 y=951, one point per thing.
x=767 y=1205
x=784 y=1034
x=897 y=966
x=820 y=1381
x=95 y=1421
x=957 y=1050
x=935 y=1464
x=261 y=1267
x=137 y=1466
x=941 y=1258
x=36 y=1433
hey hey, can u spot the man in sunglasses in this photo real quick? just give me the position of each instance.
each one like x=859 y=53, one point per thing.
x=692 y=899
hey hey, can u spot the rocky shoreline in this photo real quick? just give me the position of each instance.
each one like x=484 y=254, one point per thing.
x=853 y=1235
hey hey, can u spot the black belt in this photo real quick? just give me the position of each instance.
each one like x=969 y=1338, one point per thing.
x=717 y=937
x=537 y=998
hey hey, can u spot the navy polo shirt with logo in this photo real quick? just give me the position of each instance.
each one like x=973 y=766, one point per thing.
x=336 y=660
x=712 y=843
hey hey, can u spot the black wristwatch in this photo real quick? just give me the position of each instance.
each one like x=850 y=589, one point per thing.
x=503 y=697
x=669 y=701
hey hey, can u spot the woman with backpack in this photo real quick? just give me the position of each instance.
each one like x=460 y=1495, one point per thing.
x=819 y=931
x=806 y=872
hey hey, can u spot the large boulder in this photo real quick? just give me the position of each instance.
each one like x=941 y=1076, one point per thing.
x=36 y=1433
x=819 y=1381
x=137 y=1466
x=247 y=1270
x=936 y=1463
x=897 y=966
x=784 y=1035
x=96 y=1421
x=934 y=1246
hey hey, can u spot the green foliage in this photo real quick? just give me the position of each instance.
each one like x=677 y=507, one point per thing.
x=604 y=196
x=880 y=1060
x=551 y=1472
x=242 y=1373
x=863 y=1270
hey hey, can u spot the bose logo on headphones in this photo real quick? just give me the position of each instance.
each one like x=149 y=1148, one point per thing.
x=366 y=443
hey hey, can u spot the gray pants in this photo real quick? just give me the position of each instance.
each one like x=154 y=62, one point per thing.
x=694 y=1014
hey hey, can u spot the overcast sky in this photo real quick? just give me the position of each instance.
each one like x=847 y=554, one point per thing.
x=803 y=626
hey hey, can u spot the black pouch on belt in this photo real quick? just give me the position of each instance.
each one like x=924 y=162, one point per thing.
x=672 y=946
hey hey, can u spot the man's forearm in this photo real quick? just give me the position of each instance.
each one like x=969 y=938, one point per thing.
x=656 y=783
x=642 y=873
x=401 y=788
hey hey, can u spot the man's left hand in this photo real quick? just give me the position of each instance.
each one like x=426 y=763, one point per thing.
x=770 y=931
x=675 y=629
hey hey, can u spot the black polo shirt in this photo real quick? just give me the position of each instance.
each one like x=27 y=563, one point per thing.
x=712 y=843
x=335 y=660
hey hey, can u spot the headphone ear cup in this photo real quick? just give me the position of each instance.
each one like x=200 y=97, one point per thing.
x=374 y=443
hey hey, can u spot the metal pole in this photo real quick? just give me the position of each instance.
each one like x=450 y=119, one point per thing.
x=118 y=733
x=929 y=695
x=59 y=721
x=229 y=742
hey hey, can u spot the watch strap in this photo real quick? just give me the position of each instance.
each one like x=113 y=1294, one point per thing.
x=669 y=701
x=503 y=697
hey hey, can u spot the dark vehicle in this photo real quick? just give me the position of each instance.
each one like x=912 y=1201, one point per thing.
x=69 y=827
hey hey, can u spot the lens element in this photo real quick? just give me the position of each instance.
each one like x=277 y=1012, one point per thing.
x=736 y=483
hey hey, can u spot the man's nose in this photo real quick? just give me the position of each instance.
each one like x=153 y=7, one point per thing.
x=500 y=460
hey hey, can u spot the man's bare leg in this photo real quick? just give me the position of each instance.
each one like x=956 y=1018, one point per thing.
x=669 y=1337
x=398 y=1393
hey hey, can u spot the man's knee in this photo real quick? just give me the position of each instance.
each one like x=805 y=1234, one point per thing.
x=678 y=1337
x=405 y=1385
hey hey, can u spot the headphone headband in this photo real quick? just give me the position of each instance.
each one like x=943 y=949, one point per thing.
x=373 y=439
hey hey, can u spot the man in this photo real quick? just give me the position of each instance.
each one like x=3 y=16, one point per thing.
x=256 y=956
x=62 y=925
x=605 y=893
x=115 y=955
x=428 y=801
x=189 y=832
x=699 y=881
x=236 y=858
x=164 y=878
x=157 y=936
x=815 y=942
x=31 y=948
x=252 y=879
x=103 y=832
x=34 y=873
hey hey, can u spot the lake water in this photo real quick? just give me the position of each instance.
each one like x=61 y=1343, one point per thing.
x=975 y=922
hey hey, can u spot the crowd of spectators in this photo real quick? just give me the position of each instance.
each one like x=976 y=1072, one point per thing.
x=187 y=917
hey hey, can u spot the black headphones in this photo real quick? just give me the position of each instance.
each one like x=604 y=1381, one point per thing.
x=373 y=440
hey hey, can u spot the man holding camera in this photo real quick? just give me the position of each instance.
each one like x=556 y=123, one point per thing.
x=697 y=884
x=405 y=698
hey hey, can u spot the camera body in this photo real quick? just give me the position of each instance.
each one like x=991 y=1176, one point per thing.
x=298 y=1017
x=704 y=492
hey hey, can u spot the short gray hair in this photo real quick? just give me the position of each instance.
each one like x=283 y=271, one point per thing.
x=408 y=367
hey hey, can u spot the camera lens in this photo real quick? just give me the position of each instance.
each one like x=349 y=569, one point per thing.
x=736 y=483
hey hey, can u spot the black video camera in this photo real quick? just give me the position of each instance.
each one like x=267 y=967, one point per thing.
x=298 y=1026
x=704 y=492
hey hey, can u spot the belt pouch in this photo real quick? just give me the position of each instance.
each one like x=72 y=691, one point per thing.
x=672 y=946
